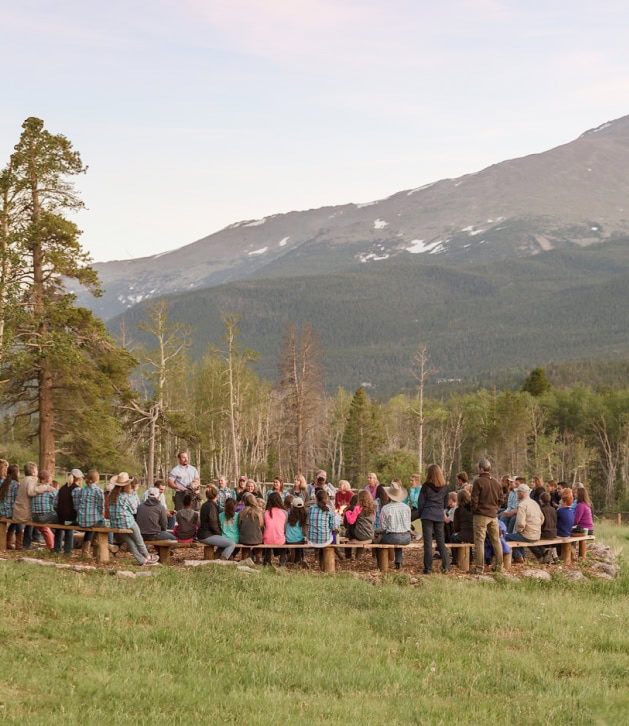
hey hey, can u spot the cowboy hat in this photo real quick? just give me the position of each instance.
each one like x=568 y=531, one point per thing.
x=120 y=480
x=396 y=492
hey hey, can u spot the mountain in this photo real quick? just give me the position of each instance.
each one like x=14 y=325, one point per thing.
x=503 y=316
x=573 y=196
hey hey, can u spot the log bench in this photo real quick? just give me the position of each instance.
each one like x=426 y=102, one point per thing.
x=100 y=532
x=565 y=542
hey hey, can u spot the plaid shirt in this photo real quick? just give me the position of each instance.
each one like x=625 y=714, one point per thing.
x=223 y=496
x=395 y=517
x=319 y=525
x=121 y=512
x=89 y=503
x=6 y=505
x=43 y=503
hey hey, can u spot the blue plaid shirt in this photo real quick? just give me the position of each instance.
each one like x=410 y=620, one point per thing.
x=89 y=503
x=121 y=512
x=6 y=505
x=223 y=496
x=319 y=525
x=43 y=503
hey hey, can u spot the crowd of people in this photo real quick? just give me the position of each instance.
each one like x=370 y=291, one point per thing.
x=490 y=514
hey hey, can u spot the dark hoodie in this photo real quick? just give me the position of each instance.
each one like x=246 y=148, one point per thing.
x=432 y=502
x=151 y=518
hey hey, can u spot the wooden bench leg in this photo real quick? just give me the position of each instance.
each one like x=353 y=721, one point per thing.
x=463 y=558
x=506 y=561
x=328 y=559
x=163 y=553
x=208 y=552
x=383 y=559
x=582 y=548
x=566 y=552
x=4 y=528
x=102 y=544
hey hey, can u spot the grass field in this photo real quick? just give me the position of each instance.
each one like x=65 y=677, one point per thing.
x=215 y=646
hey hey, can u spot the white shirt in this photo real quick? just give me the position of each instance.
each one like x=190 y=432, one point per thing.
x=183 y=475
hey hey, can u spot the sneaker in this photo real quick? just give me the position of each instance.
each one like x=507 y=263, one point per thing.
x=152 y=560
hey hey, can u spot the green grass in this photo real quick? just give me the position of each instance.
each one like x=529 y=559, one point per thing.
x=221 y=647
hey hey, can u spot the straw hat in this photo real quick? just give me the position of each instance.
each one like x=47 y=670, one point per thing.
x=120 y=480
x=396 y=492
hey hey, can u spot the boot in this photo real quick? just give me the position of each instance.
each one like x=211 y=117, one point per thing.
x=11 y=541
x=19 y=540
x=86 y=550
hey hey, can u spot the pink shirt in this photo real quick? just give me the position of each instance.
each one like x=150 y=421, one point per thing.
x=275 y=526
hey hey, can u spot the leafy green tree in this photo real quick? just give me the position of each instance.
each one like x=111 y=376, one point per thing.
x=361 y=438
x=56 y=349
x=536 y=382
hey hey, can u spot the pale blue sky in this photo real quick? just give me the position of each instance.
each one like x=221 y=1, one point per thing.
x=194 y=114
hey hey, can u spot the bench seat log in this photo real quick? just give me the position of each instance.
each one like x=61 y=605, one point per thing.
x=101 y=534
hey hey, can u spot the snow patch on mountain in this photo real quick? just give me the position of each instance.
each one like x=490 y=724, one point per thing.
x=366 y=204
x=418 y=246
x=261 y=251
x=255 y=223
x=380 y=224
x=419 y=189
x=284 y=241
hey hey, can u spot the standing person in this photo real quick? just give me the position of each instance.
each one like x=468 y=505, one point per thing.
x=462 y=480
x=528 y=523
x=27 y=489
x=395 y=521
x=121 y=517
x=210 y=531
x=8 y=492
x=66 y=512
x=89 y=503
x=183 y=478
x=152 y=517
x=486 y=501
x=431 y=507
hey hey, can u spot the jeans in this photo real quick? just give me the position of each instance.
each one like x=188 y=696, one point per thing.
x=136 y=545
x=226 y=545
x=482 y=526
x=65 y=538
x=163 y=535
x=401 y=538
x=278 y=552
x=517 y=537
x=428 y=526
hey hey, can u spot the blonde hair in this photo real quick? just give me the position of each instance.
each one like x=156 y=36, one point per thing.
x=344 y=485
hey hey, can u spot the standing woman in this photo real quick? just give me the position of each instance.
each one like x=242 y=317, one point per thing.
x=121 y=516
x=431 y=507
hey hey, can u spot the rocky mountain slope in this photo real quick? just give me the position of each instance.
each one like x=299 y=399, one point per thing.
x=574 y=195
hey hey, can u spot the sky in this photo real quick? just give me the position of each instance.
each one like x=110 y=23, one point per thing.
x=195 y=114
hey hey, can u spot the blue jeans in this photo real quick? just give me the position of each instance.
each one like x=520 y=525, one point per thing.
x=163 y=535
x=428 y=526
x=64 y=537
x=401 y=538
x=517 y=537
x=136 y=545
x=226 y=545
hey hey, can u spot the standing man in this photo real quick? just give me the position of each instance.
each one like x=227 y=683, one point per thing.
x=486 y=501
x=183 y=478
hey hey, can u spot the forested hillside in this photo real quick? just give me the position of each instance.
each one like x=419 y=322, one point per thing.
x=476 y=320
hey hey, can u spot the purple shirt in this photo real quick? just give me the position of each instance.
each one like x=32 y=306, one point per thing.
x=583 y=516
